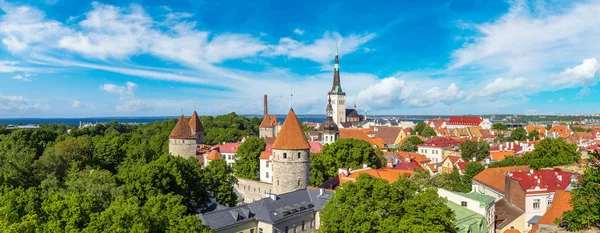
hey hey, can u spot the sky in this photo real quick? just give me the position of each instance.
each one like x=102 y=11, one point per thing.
x=76 y=58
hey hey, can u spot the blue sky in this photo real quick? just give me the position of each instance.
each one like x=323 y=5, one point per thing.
x=73 y=58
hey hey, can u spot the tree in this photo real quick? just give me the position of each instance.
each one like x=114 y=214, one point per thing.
x=343 y=153
x=471 y=170
x=419 y=127
x=499 y=126
x=411 y=144
x=247 y=158
x=373 y=205
x=428 y=132
x=584 y=199
x=222 y=181
x=479 y=150
x=519 y=134
x=552 y=152
x=534 y=135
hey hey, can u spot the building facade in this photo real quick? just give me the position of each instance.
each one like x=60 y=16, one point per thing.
x=182 y=142
x=269 y=127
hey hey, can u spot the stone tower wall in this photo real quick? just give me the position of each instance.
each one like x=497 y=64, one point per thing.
x=292 y=172
x=182 y=147
x=199 y=137
x=338 y=103
x=266 y=132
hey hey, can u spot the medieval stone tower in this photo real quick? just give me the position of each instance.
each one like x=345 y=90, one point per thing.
x=291 y=157
x=331 y=131
x=182 y=142
x=337 y=95
x=197 y=128
x=268 y=126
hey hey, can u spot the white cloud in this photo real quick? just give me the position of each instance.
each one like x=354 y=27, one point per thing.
x=582 y=74
x=127 y=100
x=81 y=105
x=321 y=50
x=24 y=78
x=393 y=92
x=530 y=38
x=16 y=103
x=298 y=31
x=500 y=86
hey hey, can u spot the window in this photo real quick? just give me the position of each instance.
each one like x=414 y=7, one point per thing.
x=285 y=155
x=277 y=182
x=536 y=204
x=267 y=175
x=260 y=230
x=287 y=230
x=267 y=164
x=298 y=182
x=251 y=230
x=549 y=202
x=303 y=226
x=463 y=203
x=298 y=154
x=310 y=224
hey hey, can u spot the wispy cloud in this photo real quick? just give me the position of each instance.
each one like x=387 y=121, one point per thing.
x=24 y=78
x=127 y=100
x=298 y=31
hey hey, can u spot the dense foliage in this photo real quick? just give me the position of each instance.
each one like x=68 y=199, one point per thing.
x=247 y=158
x=452 y=181
x=343 y=153
x=423 y=130
x=499 y=126
x=585 y=199
x=478 y=150
x=228 y=128
x=580 y=129
x=106 y=178
x=411 y=144
x=547 y=153
x=374 y=205
x=519 y=134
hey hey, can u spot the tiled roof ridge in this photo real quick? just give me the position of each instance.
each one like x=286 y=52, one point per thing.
x=182 y=130
x=291 y=136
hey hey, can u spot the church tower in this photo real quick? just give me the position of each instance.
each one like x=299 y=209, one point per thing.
x=182 y=142
x=337 y=95
x=197 y=128
x=330 y=128
x=291 y=157
x=268 y=126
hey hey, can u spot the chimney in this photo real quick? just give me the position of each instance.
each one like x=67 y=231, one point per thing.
x=321 y=191
x=559 y=177
x=365 y=165
x=531 y=171
x=265 y=105
x=272 y=196
x=500 y=147
x=512 y=146
x=343 y=170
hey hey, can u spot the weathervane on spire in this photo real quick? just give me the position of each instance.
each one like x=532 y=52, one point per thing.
x=291 y=97
x=336 y=47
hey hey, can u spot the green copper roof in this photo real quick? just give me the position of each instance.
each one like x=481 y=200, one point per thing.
x=484 y=200
x=467 y=220
x=337 y=90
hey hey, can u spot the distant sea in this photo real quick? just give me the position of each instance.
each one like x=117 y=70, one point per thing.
x=138 y=120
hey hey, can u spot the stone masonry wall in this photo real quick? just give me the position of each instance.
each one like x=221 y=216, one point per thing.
x=292 y=172
x=252 y=190
x=266 y=132
x=182 y=147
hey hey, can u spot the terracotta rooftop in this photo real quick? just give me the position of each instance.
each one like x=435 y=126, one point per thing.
x=230 y=147
x=500 y=155
x=560 y=204
x=266 y=122
x=291 y=136
x=541 y=129
x=453 y=159
x=389 y=134
x=436 y=123
x=214 y=155
x=315 y=147
x=465 y=120
x=542 y=181
x=356 y=134
x=196 y=123
x=462 y=165
x=494 y=177
x=182 y=130
x=391 y=175
x=440 y=142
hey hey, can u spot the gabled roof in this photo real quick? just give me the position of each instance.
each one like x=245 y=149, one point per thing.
x=541 y=129
x=291 y=136
x=542 y=181
x=462 y=165
x=500 y=155
x=230 y=147
x=494 y=177
x=266 y=122
x=182 y=130
x=315 y=147
x=453 y=159
x=389 y=134
x=196 y=123
x=436 y=123
x=356 y=134
x=214 y=155
x=505 y=213
x=440 y=142
x=560 y=204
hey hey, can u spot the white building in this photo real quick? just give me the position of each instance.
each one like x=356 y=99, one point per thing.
x=476 y=202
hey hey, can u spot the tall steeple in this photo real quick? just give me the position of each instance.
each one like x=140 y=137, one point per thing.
x=336 y=88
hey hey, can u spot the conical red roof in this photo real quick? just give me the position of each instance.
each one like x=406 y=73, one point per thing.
x=214 y=155
x=291 y=136
x=182 y=130
x=196 y=123
x=266 y=122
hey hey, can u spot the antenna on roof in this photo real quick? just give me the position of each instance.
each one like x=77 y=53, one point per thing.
x=291 y=97
x=336 y=47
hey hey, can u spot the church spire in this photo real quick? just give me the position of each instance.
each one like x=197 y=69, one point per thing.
x=329 y=109
x=336 y=88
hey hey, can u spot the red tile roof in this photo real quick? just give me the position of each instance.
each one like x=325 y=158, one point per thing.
x=543 y=181
x=461 y=165
x=440 y=142
x=465 y=120
x=315 y=147
x=230 y=147
x=196 y=123
x=494 y=177
x=391 y=175
x=436 y=123
x=291 y=136
x=389 y=134
x=500 y=155
x=182 y=130
x=453 y=159
x=356 y=134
